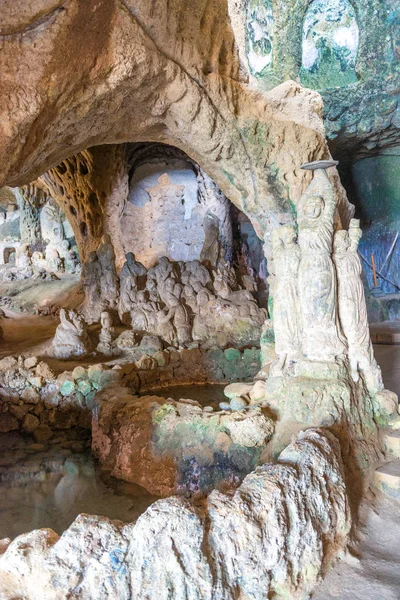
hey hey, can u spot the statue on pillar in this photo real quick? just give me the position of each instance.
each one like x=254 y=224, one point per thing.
x=352 y=307
x=286 y=315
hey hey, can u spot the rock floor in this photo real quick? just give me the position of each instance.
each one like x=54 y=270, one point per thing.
x=371 y=570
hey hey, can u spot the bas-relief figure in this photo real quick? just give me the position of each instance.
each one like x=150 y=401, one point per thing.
x=286 y=314
x=165 y=191
x=352 y=307
x=321 y=336
x=324 y=272
x=107 y=334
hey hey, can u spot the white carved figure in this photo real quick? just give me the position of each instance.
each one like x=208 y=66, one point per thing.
x=23 y=261
x=321 y=337
x=286 y=315
x=71 y=337
x=352 y=307
x=165 y=191
x=144 y=313
x=107 y=334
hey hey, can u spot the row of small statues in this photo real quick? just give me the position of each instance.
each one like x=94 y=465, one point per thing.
x=54 y=260
x=171 y=299
x=319 y=303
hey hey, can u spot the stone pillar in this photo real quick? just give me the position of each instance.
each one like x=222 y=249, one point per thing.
x=29 y=199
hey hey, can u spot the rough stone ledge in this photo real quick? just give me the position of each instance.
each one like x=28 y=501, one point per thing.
x=273 y=537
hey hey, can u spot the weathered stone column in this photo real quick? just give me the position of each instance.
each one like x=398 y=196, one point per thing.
x=29 y=199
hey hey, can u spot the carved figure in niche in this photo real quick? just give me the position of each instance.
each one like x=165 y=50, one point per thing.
x=211 y=251
x=132 y=277
x=165 y=191
x=54 y=262
x=321 y=337
x=23 y=260
x=109 y=283
x=352 y=307
x=107 y=334
x=71 y=261
x=71 y=337
x=286 y=315
x=91 y=280
x=144 y=313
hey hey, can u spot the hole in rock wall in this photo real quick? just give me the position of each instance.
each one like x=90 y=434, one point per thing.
x=330 y=43
x=259 y=24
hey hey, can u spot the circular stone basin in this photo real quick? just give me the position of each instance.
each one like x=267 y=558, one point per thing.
x=210 y=394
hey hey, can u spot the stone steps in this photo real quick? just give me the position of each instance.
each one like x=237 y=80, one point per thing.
x=391 y=441
x=387 y=479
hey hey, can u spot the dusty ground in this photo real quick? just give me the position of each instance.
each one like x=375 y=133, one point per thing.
x=66 y=292
x=371 y=571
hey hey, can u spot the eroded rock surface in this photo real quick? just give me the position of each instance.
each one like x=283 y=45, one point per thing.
x=273 y=537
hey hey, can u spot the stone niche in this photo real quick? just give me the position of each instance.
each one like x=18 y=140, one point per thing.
x=169 y=205
x=36 y=238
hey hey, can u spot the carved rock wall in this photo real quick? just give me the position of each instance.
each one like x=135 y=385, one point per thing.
x=109 y=72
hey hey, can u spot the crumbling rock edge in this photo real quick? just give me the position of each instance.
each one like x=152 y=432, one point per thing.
x=272 y=537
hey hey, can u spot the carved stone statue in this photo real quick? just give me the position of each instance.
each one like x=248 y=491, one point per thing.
x=132 y=278
x=71 y=337
x=162 y=271
x=23 y=261
x=223 y=290
x=321 y=338
x=196 y=272
x=54 y=262
x=91 y=279
x=211 y=251
x=165 y=329
x=109 y=278
x=286 y=317
x=144 y=313
x=71 y=261
x=352 y=307
x=107 y=334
